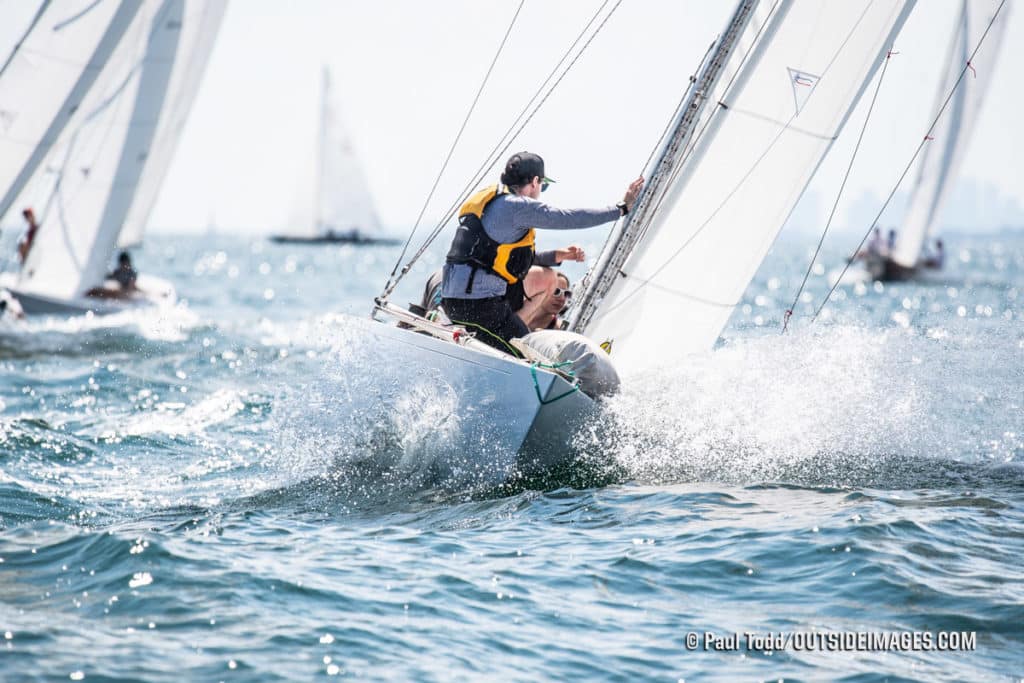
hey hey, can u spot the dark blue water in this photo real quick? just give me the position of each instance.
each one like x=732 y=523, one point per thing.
x=218 y=492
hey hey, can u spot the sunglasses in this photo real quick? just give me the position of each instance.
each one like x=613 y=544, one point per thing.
x=558 y=291
x=544 y=187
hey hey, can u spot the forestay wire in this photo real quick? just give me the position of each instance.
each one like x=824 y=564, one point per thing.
x=927 y=137
x=455 y=142
x=519 y=123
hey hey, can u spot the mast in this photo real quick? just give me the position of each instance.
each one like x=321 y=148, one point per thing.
x=602 y=276
x=321 y=150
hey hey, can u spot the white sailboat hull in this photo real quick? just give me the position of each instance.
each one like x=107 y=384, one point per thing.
x=505 y=420
x=152 y=291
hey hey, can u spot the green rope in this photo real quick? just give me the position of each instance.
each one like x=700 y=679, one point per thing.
x=556 y=366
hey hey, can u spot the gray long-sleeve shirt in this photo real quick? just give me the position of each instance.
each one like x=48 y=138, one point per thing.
x=506 y=219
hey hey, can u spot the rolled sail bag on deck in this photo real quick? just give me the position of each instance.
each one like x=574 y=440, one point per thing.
x=590 y=364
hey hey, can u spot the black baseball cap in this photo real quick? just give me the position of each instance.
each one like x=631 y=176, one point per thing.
x=522 y=167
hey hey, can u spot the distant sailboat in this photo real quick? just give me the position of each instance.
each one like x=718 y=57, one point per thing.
x=341 y=208
x=940 y=162
x=96 y=170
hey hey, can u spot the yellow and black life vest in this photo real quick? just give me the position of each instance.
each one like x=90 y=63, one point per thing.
x=472 y=245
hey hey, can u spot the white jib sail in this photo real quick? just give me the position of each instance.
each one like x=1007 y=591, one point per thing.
x=83 y=191
x=45 y=77
x=198 y=33
x=786 y=91
x=942 y=155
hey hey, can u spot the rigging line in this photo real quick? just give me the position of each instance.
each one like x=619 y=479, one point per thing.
x=509 y=136
x=927 y=137
x=842 y=187
x=24 y=36
x=499 y=149
x=59 y=26
x=455 y=142
x=495 y=153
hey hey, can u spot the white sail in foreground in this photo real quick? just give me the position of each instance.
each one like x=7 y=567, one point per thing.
x=337 y=205
x=198 y=33
x=943 y=154
x=46 y=76
x=796 y=72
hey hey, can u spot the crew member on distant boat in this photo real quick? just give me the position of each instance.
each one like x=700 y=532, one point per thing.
x=124 y=275
x=937 y=259
x=30 y=234
x=493 y=248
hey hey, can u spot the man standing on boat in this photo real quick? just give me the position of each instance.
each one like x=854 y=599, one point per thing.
x=493 y=248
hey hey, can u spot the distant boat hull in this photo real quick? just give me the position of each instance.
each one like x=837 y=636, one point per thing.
x=152 y=291
x=884 y=269
x=347 y=238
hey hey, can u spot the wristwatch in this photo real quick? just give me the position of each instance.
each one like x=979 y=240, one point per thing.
x=623 y=209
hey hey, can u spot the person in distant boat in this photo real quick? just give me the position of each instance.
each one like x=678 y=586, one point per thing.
x=493 y=248
x=124 y=275
x=25 y=245
x=874 y=247
x=890 y=244
x=937 y=259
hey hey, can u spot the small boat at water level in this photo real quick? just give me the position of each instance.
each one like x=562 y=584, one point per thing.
x=331 y=237
x=106 y=299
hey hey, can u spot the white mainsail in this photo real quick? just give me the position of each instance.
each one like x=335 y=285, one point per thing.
x=45 y=78
x=708 y=217
x=198 y=33
x=338 y=200
x=85 y=188
x=945 y=151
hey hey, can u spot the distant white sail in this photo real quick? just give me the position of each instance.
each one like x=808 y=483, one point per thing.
x=943 y=154
x=84 y=190
x=198 y=33
x=786 y=90
x=45 y=77
x=338 y=200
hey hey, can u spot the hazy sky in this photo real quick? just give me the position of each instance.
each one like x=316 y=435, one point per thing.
x=407 y=72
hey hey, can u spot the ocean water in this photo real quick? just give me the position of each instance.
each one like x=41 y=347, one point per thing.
x=218 y=493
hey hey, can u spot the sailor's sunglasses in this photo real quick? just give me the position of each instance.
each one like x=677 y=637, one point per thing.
x=544 y=186
x=559 y=291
